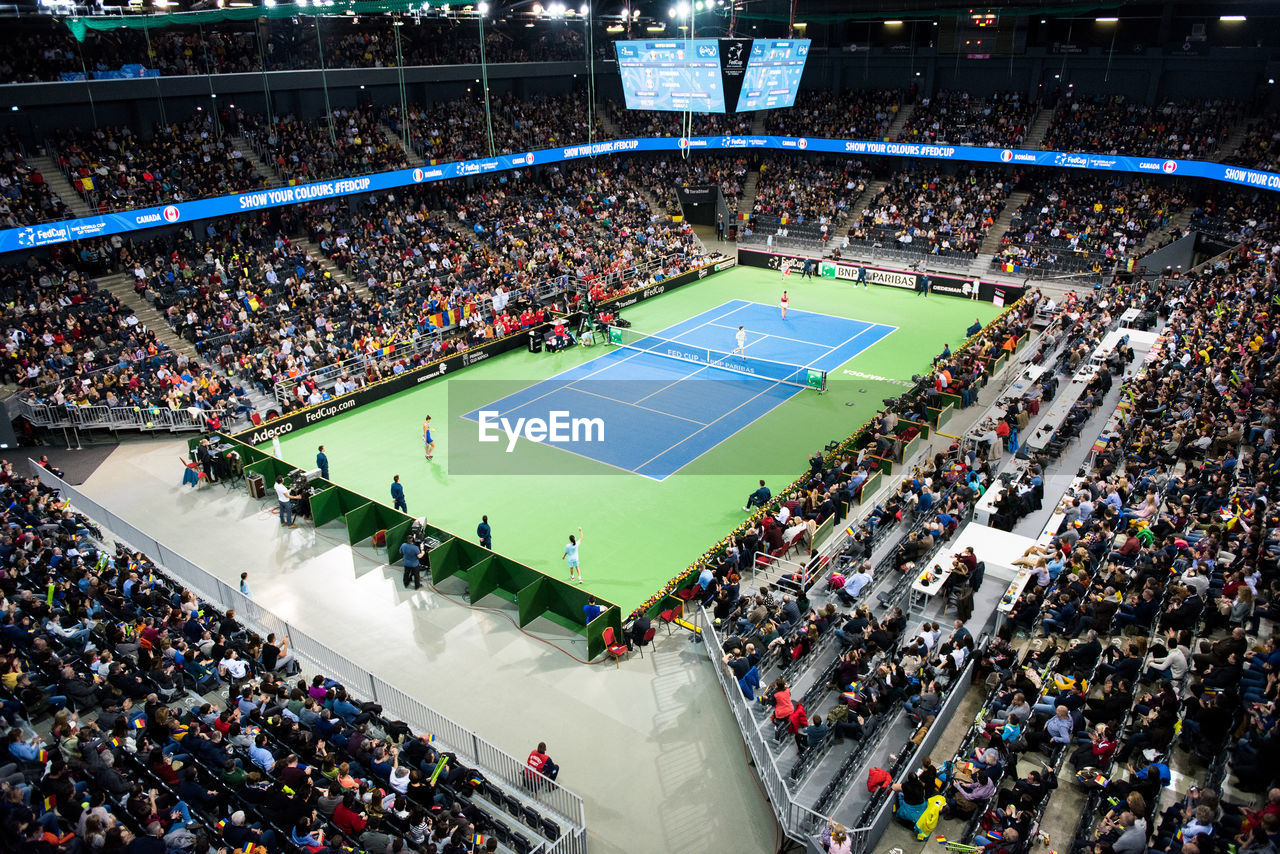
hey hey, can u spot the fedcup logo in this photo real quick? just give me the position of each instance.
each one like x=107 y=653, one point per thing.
x=417 y=175
x=802 y=143
x=1169 y=167
x=27 y=237
x=1006 y=155
x=171 y=213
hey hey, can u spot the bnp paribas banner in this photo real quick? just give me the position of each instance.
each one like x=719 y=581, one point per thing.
x=101 y=225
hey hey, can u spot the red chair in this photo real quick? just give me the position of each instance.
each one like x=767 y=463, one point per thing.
x=646 y=640
x=611 y=646
x=689 y=594
x=668 y=616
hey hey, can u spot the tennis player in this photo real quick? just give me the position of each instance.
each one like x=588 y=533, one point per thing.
x=785 y=301
x=427 y=441
x=741 y=338
x=571 y=554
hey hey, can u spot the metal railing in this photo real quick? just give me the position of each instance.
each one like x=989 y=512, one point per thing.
x=498 y=767
x=143 y=418
x=798 y=821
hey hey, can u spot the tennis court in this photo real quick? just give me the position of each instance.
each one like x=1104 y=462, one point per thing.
x=642 y=530
x=664 y=399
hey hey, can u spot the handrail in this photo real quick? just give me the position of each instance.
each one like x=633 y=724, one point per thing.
x=497 y=766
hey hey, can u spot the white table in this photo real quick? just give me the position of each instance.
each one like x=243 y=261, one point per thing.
x=1129 y=316
x=923 y=591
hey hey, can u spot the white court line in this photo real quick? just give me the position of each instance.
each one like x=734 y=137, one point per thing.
x=776 y=405
x=797 y=340
x=670 y=384
x=637 y=405
x=769 y=387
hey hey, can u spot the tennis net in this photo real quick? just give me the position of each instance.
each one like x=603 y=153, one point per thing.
x=749 y=366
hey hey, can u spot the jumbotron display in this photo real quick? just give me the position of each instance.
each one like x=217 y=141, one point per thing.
x=675 y=75
x=773 y=74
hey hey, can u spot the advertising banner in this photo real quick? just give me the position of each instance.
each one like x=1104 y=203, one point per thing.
x=44 y=234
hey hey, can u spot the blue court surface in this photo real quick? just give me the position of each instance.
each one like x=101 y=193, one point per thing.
x=657 y=414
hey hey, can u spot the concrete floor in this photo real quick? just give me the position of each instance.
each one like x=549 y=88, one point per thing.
x=651 y=747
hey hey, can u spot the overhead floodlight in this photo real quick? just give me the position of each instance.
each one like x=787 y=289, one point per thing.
x=1232 y=18
x=584 y=9
x=1106 y=20
x=483 y=8
x=270 y=4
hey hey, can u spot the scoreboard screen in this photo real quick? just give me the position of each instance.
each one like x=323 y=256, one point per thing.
x=773 y=74
x=675 y=75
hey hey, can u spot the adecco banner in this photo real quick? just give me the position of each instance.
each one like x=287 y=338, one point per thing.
x=377 y=391
x=940 y=283
x=450 y=364
x=15 y=239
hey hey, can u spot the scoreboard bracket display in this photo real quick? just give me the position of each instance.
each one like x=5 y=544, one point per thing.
x=705 y=75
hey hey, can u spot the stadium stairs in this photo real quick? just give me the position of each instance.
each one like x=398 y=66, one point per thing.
x=247 y=151
x=1233 y=140
x=121 y=286
x=899 y=121
x=1039 y=128
x=991 y=243
x=60 y=186
x=394 y=138
x=332 y=269
x=1180 y=221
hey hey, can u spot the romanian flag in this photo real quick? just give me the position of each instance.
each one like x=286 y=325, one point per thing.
x=50 y=802
x=44 y=756
x=475 y=780
x=478 y=840
x=430 y=738
x=140 y=722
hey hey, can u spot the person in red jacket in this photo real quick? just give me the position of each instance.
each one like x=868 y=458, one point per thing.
x=539 y=761
x=347 y=818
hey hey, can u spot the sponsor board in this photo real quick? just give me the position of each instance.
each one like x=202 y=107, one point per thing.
x=941 y=283
x=726 y=264
x=393 y=385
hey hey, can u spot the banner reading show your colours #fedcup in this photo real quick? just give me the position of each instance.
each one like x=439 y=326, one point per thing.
x=45 y=234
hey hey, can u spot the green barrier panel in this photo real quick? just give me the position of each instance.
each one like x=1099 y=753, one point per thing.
x=823 y=531
x=883 y=464
x=870 y=486
x=940 y=416
x=530 y=601
x=610 y=618
x=396 y=536
x=336 y=503
x=909 y=448
x=953 y=399
x=567 y=601
x=482 y=579
x=446 y=560
x=515 y=575
x=387 y=519
x=999 y=363
x=362 y=522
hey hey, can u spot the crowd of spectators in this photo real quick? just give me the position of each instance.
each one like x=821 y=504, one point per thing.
x=45 y=52
x=807 y=191
x=113 y=167
x=854 y=114
x=958 y=118
x=70 y=343
x=1086 y=222
x=933 y=212
x=446 y=131
x=1113 y=124
x=348 y=142
x=143 y=719
x=661 y=178
x=1260 y=148
x=25 y=198
x=659 y=123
